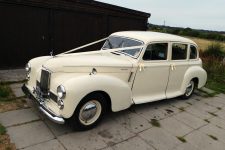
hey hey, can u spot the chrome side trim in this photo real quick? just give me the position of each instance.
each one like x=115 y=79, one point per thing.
x=130 y=77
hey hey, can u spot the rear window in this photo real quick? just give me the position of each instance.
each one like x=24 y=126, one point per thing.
x=193 y=52
x=179 y=51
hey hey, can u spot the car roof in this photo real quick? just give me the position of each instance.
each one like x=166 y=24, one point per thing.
x=148 y=36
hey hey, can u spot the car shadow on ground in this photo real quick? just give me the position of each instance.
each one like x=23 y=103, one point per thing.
x=157 y=110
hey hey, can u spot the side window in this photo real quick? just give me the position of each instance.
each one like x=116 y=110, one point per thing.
x=193 y=52
x=157 y=51
x=179 y=51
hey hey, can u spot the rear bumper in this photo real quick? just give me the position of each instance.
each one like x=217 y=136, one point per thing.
x=43 y=108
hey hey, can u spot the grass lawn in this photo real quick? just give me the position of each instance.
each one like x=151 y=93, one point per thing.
x=204 y=43
x=216 y=83
x=5 y=143
x=213 y=58
x=8 y=101
x=5 y=92
x=2 y=129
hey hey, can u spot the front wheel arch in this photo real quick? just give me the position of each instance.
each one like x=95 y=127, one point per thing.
x=105 y=95
x=75 y=119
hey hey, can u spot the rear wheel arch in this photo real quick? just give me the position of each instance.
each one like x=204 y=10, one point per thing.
x=189 y=89
x=196 y=81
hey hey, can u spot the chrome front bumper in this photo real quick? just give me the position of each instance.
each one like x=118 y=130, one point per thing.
x=42 y=107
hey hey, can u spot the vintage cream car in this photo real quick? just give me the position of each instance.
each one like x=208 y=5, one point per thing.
x=131 y=68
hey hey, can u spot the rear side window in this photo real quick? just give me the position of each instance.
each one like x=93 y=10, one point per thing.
x=193 y=52
x=157 y=51
x=179 y=51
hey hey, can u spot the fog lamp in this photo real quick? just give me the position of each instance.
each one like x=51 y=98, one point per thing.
x=60 y=103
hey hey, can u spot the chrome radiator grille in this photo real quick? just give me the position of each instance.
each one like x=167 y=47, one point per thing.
x=45 y=81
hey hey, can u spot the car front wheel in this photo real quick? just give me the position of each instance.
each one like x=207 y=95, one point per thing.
x=89 y=112
x=189 y=90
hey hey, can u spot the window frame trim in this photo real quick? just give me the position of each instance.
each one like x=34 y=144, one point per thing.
x=171 y=51
x=189 y=55
x=153 y=61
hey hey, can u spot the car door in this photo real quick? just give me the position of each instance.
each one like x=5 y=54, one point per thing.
x=152 y=75
x=178 y=67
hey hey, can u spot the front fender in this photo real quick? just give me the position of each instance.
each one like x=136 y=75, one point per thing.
x=194 y=72
x=77 y=88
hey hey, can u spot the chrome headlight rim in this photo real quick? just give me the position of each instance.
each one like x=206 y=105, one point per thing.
x=61 y=92
x=28 y=68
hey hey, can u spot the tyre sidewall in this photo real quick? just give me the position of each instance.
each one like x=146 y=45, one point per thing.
x=75 y=119
x=187 y=97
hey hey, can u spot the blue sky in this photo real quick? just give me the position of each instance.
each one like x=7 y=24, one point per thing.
x=198 y=14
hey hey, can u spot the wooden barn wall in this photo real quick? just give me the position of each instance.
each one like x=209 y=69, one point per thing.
x=28 y=31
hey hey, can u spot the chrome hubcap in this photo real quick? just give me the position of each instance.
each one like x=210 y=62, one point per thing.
x=90 y=112
x=189 y=88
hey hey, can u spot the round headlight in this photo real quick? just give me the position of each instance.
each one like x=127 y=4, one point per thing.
x=61 y=92
x=28 y=67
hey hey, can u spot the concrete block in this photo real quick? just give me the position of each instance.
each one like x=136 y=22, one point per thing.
x=160 y=139
x=185 y=146
x=135 y=143
x=59 y=129
x=132 y=121
x=209 y=91
x=150 y=111
x=190 y=120
x=198 y=112
x=87 y=140
x=221 y=114
x=175 y=127
x=49 y=145
x=218 y=122
x=202 y=141
x=214 y=131
x=16 y=117
x=13 y=75
x=16 y=88
x=111 y=132
x=29 y=134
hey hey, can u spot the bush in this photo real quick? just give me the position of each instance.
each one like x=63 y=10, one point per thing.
x=215 y=50
x=2 y=129
x=211 y=35
x=213 y=63
x=5 y=91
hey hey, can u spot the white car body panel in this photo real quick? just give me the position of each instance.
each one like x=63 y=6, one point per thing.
x=126 y=80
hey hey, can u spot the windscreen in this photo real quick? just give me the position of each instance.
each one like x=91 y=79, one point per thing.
x=114 y=42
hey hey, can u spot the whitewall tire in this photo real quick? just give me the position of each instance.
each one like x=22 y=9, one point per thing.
x=189 y=90
x=89 y=112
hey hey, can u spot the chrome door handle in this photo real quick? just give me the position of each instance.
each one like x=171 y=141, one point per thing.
x=141 y=67
x=173 y=67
